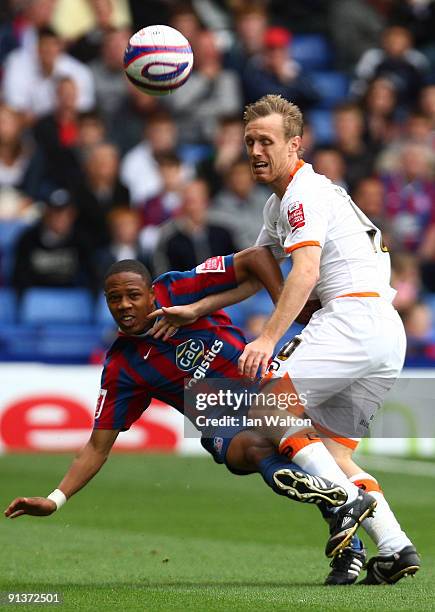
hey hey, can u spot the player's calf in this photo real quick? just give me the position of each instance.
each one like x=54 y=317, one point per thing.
x=250 y=451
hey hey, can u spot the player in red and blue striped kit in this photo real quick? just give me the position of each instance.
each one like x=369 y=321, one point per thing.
x=140 y=367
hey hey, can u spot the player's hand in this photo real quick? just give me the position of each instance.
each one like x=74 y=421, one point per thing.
x=256 y=355
x=171 y=319
x=35 y=506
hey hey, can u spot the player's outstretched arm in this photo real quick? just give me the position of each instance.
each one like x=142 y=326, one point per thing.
x=298 y=286
x=86 y=464
x=254 y=268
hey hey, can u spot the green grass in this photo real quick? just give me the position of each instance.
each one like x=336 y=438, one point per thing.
x=170 y=533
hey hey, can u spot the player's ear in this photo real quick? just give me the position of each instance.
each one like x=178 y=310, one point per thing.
x=152 y=296
x=294 y=144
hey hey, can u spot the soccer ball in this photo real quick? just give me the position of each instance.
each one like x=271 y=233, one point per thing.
x=158 y=60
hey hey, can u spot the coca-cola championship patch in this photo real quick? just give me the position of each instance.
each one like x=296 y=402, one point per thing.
x=296 y=215
x=100 y=402
x=213 y=264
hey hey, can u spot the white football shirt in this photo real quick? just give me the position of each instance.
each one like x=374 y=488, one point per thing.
x=316 y=212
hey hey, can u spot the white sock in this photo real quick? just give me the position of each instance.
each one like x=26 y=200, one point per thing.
x=318 y=461
x=383 y=528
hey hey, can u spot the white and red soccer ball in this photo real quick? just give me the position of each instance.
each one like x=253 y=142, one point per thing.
x=158 y=60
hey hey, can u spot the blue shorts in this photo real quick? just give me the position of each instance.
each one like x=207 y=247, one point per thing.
x=217 y=440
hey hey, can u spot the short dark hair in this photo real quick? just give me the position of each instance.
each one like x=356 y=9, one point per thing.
x=167 y=159
x=47 y=32
x=129 y=265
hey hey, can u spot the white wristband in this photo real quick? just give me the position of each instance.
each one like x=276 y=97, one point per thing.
x=58 y=497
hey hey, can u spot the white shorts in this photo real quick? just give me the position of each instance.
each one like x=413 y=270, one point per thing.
x=349 y=356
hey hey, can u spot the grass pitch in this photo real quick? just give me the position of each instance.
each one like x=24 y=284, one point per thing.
x=170 y=533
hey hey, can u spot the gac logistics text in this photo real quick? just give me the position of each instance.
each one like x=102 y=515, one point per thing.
x=233 y=400
x=270 y=420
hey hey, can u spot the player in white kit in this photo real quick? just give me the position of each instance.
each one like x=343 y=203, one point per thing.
x=353 y=348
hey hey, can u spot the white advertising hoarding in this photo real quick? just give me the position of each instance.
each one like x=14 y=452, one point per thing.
x=46 y=408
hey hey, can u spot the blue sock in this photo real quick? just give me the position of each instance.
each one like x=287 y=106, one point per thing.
x=356 y=543
x=326 y=511
x=269 y=465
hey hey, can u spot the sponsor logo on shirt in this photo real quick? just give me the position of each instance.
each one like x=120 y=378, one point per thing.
x=188 y=354
x=296 y=215
x=202 y=369
x=213 y=264
x=100 y=402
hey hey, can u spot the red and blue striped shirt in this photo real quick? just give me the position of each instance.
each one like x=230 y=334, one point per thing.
x=139 y=368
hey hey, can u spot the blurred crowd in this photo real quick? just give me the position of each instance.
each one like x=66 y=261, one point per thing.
x=93 y=171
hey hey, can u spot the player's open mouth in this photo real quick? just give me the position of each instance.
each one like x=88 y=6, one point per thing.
x=127 y=320
x=260 y=165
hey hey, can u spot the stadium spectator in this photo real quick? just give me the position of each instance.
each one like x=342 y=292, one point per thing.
x=309 y=16
x=185 y=19
x=127 y=123
x=409 y=198
x=165 y=204
x=228 y=148
x=90 y=131
x=22 y=165
x=427 y=257
x=355 y=27
x=52 y=253
x=369 y=195
x=330 y=162
x=419 y=330
x=379 y=107
x=14 y=205
x=100 y=192
x=124 y=227
x=418 y=16
x=107 y=70
x=405 y=278
x=427 y=103
x=349 y=140
x=57 y=135
x=88 y=46
x=29 y=82
x=139 y=170
x=274 y=72
x=250 y=23
x=193 y=235
x=213 y=92
x=75 y=18
x=240 y=204
x=149 y=13
x=22 y=30
x=416 y=129
x=398 y=61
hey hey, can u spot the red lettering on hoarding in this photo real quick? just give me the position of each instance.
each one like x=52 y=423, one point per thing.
x=16 y=424
x=55 y=422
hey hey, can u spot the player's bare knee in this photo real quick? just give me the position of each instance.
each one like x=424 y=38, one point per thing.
x=258 y=450
x=342 y=454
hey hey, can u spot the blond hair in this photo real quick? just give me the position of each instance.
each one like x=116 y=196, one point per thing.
x=271 y=104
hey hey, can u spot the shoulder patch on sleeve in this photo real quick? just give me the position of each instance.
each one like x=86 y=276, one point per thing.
x=100 y=402
x=213 y=264
x=296 y=216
